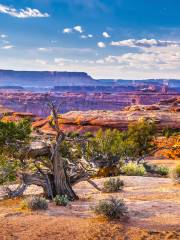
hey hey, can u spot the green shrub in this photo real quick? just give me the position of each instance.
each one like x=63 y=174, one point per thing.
x=163 y=171
x=111 y=208
x=113 y=185
x=133 y=169
x=175 y=173
x=73 y=134
x=154 y=169
x=61 y=200
x=35 y=203
x=88 y=135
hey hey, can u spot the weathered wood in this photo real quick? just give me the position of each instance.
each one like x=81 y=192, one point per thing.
x=61 y=181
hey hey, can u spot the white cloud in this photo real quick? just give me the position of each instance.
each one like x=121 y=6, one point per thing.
x=63 y=61
x=3 y=36
x=7 y=47
x=100 y=61
x=41 y=61
x=155 y=62
x=101 y=44
x=22 y=13
x=86 y=36
x=106 y=35
x=78 y=29
x=67 y=30
x=144 y=43
x=149 y=59
x=43 y=49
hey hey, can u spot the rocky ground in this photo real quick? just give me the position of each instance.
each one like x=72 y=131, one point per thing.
x=154 y=207
x=165 y=114
x=154 y=203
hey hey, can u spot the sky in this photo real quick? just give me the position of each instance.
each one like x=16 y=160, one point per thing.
x=119 y=39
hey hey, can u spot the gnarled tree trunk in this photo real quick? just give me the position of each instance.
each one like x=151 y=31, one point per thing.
x=62 y=184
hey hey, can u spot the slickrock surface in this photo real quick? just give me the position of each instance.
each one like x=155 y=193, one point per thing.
x=83 y=121
x=165 y=114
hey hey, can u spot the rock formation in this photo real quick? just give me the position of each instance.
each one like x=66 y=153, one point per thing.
x=83 y=121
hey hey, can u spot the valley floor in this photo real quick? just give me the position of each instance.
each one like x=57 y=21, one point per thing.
x=154 y=210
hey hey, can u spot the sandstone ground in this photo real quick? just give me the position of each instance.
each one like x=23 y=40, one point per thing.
x=154 y=207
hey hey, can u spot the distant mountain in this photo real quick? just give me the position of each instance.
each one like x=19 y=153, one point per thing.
x=77 y=81
x=44 y=78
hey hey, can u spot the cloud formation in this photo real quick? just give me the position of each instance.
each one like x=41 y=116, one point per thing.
x=144 y=43
x=101 y=44
x=86 y=36
x=106 y=35
x=22 y=13
x=67 y=30
x=63 y=61
x=3 y=36
x=7 y=47
x=77 y=28
x=149 y=60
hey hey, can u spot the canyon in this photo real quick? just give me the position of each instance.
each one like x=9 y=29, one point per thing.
x=36 y=103
x=30 y=91
x=166 y=114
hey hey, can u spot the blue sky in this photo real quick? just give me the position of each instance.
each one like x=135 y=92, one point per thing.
x=131 y=39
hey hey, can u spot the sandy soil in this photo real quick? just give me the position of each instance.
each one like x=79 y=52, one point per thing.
x=154 y=210
x=163 y=162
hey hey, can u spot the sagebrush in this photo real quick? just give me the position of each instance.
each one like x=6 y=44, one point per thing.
x=35 y=203
x=154 y=169
x=133 y=169
x=112 y=208
x=113 y=185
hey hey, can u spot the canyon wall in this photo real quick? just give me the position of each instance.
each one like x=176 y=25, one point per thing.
x=36 y=103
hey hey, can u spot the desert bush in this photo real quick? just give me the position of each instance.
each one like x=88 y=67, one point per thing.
x=111 y=208
x=154 y=169
x=107 y=147
x=113 y=185
x=35 y=203
x=161 y=170
x=175 y=174
x=61 y=200
x=133 y=169
x=73 y=134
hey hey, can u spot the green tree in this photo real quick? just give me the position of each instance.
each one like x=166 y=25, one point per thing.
x=14 y=137
x=141 y=135
x=110 y=146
